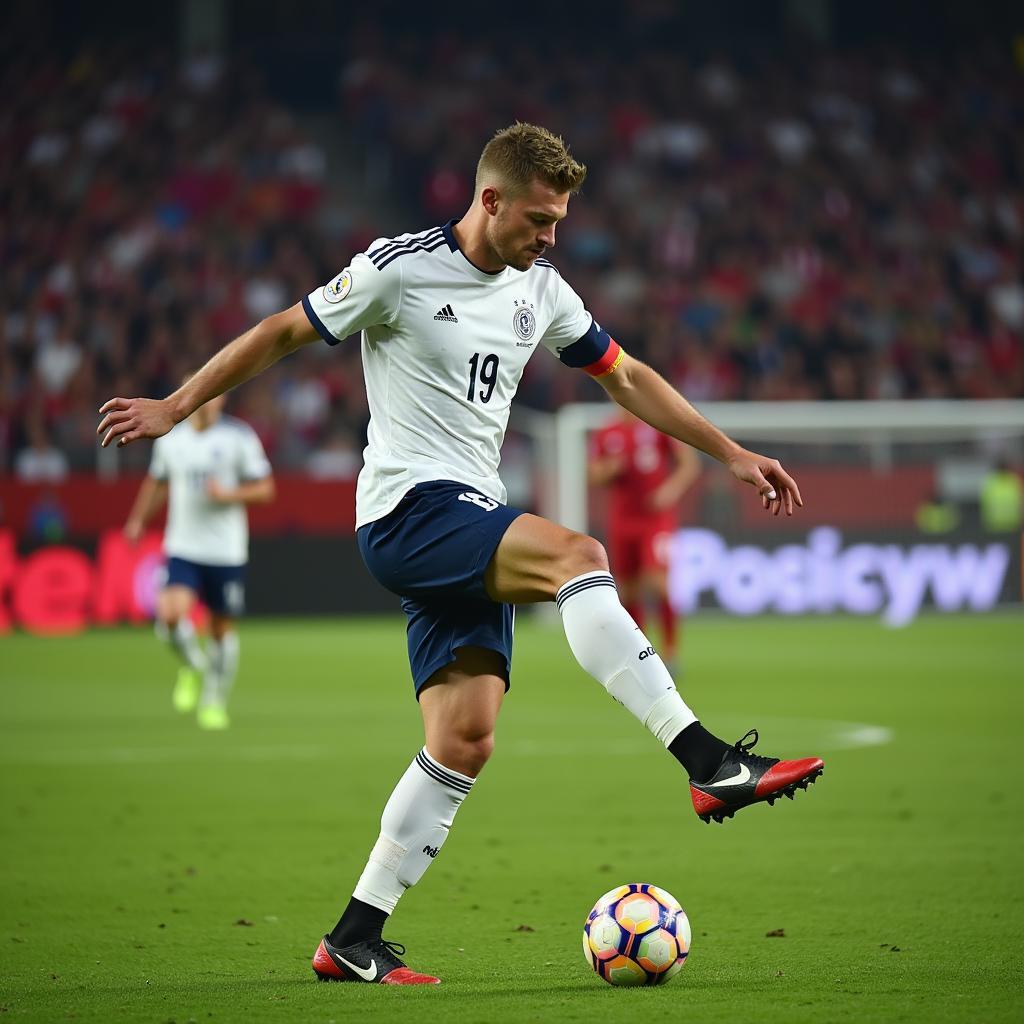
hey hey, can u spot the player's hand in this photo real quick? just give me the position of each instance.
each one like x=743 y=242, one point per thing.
x=216 y=491
x=606 y=468
x=133 y=531
x=777 y=488
x=666 y=496
x=129 y=419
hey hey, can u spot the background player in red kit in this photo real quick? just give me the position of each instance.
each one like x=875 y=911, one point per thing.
x=647 y=473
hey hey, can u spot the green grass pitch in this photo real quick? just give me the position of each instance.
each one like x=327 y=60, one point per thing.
x=155 y=873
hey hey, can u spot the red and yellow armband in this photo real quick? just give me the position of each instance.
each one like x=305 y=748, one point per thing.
x=608 y=363
x=597 y=352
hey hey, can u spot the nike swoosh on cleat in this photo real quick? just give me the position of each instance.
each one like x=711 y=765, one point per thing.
x=737 y=780
x=366 y=973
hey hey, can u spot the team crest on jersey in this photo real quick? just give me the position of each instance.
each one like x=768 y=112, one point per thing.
x=523 y=321
x=339 y=287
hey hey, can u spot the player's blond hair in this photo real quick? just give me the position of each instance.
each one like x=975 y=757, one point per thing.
x=522 y=153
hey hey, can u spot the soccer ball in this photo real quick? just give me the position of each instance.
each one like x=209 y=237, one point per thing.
x=637 y=934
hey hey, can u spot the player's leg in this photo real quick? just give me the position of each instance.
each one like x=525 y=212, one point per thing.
x=223 y=651
x=624 y=558
x=655 y=584
x=174 y=626
x=538 y=560
x=224 y=593
x=654 y=572
x=459 y=703
x=432 y=550
x=631 y=597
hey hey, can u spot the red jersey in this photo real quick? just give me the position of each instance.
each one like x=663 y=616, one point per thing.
x=648 y=459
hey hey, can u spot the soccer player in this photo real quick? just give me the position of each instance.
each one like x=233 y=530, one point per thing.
x=211 y=467
x=449 y=317
x=647 y=473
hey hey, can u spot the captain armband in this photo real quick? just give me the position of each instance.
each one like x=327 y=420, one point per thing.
x=608 y=363
x=596 y=353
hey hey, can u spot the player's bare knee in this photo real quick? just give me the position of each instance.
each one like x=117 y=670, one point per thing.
x=582 y=554
x=475 y=749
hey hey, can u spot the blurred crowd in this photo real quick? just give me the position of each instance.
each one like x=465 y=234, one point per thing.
x=153 y=210
x=842 y=226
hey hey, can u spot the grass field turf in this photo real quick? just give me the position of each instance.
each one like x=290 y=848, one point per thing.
x=155 y=873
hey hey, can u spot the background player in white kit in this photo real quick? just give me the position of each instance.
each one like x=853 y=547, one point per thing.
x=449 y=318
x=210 y=467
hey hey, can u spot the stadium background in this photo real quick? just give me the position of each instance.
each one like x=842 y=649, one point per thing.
x=793 y=201
x=805 y=202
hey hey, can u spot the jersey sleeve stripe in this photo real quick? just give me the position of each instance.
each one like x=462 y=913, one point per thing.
x=391 y=257
x=412 y=236
x=409 y=243
x=383 y=250
x=608 y=363
x=318 y=325
x=380 y=257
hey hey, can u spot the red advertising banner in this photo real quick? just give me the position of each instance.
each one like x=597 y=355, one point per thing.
x=58 y=590
x=87 y=506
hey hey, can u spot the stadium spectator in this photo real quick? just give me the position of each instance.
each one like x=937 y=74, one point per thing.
x=40 y=461
x=337 y=459
x=850 y=227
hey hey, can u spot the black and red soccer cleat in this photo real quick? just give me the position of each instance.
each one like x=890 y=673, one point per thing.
x=375 y=962
x=744 y=778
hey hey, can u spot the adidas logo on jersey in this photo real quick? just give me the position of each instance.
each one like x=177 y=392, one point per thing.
x=446 y=313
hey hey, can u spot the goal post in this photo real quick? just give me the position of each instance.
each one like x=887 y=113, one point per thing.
x=879 y=428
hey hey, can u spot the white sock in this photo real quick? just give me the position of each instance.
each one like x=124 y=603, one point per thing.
x=183 y=639
x=613 y=649
x=223 y=667
x=413 y=828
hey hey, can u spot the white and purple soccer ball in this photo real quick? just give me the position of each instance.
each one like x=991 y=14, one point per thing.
x=637 y=934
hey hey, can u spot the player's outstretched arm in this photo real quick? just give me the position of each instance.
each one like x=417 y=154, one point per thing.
x=152 y=494
x=645 y=393
x=129 y=419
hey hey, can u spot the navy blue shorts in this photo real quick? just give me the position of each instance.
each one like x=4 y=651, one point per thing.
x=220 y=587
x=432 y=551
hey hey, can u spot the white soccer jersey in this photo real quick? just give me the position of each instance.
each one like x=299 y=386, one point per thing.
x=200 y=529
x=444 y=346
